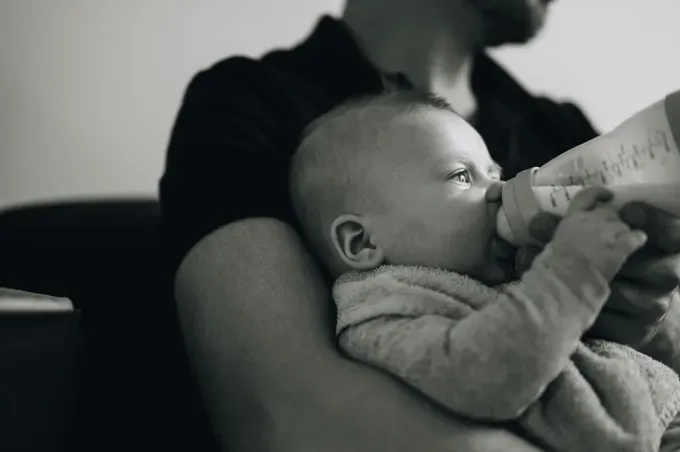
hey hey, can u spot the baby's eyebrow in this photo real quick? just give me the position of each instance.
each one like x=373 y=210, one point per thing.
x=446 y=162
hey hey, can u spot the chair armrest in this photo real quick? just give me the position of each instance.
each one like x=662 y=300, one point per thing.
x=39 y=381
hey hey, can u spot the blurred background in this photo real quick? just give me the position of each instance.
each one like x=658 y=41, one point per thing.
x=89 y=89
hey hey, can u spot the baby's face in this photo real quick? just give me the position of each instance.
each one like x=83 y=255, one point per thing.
x=434 y=178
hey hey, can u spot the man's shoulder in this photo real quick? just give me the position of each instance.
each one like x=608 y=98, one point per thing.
x=241 y=75
x=281 y=89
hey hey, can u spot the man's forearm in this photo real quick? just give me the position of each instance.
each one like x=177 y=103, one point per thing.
x=254 y=312
x=352 y=408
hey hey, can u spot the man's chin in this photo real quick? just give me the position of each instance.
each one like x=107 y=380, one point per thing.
x=512 y=27
x=503 y=39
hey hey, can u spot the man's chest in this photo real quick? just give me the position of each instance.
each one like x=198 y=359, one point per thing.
x=515 y=139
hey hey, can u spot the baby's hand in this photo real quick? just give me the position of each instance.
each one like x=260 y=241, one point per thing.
x=597 y=232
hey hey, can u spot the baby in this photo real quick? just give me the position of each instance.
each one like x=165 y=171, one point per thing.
x=398 y=196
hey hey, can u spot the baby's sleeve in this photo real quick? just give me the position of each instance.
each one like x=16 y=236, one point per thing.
x=490 y=364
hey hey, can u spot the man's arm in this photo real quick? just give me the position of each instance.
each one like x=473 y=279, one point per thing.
x=255 y=314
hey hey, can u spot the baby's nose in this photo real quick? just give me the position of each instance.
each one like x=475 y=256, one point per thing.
x=494 y=192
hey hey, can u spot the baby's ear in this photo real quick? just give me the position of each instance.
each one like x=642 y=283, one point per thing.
x=352 y=241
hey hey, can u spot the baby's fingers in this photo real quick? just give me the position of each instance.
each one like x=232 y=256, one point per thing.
x=589 y=198
x=631 y=240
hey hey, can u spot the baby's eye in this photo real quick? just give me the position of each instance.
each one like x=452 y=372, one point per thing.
x=461 y=177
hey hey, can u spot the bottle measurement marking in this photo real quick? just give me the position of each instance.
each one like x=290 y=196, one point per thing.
x=628 y=159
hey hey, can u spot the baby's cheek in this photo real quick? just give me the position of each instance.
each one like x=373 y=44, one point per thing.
x=472 y=236
x=403 y=239
x=423 y=241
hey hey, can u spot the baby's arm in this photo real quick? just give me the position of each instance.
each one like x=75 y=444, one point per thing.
x=495 y=362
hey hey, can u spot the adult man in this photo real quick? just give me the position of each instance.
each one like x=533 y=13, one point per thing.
x=252 y=302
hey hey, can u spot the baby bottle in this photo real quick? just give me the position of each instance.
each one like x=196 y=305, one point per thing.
x=638 y=161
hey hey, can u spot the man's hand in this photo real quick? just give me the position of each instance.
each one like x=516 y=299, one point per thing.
x=643 y=289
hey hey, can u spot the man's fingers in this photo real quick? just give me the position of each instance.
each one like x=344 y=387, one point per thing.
x=647 y=304
x=632 y=314
x=588 y=198
x=542 y=226
x=525 y=257
x=652 y=267
x=621 y=328
x=632 y=240
x=662 y=228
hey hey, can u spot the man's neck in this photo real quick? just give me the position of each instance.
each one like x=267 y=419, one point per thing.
x=434 y=51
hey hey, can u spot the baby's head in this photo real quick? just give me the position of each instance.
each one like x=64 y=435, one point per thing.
x=398 y=179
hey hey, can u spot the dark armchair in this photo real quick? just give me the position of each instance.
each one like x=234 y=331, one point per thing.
x=136 y=390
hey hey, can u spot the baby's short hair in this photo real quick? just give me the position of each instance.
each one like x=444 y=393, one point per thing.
x=327 y=177
x=402 y=101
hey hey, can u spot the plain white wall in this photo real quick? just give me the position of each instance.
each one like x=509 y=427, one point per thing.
x=89 y=88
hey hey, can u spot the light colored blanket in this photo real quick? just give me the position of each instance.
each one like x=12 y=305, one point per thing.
x=510 y=354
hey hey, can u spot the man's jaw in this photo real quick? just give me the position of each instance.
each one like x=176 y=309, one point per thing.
x=508 y=26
